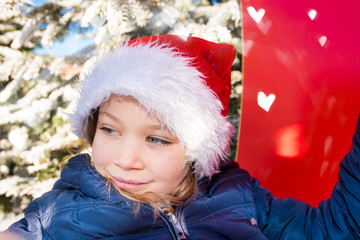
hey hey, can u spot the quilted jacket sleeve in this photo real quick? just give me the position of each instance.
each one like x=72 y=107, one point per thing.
x=335 y=218
x=30 y=226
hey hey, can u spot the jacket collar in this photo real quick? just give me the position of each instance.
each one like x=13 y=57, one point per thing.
x=80 y=175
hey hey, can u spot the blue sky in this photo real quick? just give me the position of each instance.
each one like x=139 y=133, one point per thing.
x=38 y=3
x=70 y=45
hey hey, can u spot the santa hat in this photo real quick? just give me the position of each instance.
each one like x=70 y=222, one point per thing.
x=184 y=82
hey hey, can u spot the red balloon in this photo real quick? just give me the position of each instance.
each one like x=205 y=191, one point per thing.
x=301 y=95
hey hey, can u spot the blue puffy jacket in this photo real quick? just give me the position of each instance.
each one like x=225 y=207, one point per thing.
x=231 y=205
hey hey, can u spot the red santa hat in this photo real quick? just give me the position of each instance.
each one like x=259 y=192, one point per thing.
x=184 y=82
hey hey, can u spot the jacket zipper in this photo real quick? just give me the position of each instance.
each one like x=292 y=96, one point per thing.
x=177 y=229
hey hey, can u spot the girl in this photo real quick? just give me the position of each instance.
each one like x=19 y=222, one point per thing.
x=154 y=111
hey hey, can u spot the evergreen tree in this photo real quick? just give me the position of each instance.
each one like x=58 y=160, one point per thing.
x=36 y=90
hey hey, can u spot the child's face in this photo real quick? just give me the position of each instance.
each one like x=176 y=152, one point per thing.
x=133 y=151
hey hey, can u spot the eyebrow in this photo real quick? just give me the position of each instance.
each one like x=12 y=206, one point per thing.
x=156 y=127
x=109 y=115
x=151 y=126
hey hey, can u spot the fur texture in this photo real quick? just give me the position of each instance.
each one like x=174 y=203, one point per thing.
x=170 y=88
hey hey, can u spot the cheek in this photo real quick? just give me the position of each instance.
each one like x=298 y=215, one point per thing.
x=174 y=171
x=170 y=170
x=100 y=153
x=173 y=178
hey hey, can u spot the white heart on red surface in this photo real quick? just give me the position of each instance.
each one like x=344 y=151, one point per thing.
x=264 y=26
x=322 y=40
x=312 y=14
x=248 y=44
x=256 y=15
x=264 y=101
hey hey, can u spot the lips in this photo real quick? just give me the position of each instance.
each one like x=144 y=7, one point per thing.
x=128 y=184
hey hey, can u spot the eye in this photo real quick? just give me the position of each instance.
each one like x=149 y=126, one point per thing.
x=108 y=131
x=157 y=141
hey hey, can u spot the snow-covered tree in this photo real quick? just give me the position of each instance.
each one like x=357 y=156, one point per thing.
x=36 y=90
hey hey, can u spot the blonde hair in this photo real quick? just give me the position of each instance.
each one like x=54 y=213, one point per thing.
x=184 y=191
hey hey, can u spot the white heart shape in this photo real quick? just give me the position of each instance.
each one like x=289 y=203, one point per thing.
x=322 y=40
x=312 y=14
x=256 y=15
x=248 y=44
x=264 y=26
x=264 y=101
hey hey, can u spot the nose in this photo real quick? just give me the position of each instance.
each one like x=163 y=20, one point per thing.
x=129 y=157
